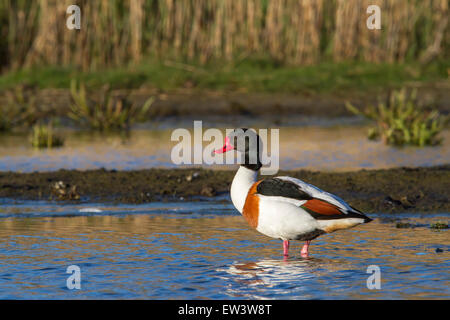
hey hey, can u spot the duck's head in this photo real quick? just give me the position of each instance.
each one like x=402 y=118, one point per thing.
x=247 y=142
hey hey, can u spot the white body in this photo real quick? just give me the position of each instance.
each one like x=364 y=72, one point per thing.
x=283 y=218
x=242 y=182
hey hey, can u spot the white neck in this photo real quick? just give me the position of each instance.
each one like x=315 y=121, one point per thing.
x=242 y=182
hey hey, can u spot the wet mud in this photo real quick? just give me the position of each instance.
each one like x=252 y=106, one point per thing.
x=382 y=191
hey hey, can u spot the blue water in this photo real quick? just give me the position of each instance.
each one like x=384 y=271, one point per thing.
x=204 y=250
x=312 y=147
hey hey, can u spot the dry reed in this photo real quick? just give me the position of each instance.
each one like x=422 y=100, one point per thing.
x=295 y=32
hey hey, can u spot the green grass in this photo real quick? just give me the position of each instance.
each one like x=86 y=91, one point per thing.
x=19 y=110
x=44 y=136
x=439 y=225
x=107 y=112
x=248 y=75
x=403 y=120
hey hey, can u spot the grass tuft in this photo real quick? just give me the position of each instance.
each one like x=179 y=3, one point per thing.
x=105 y=112
x=402 y=120
x=44 y=136
x=19 y=109
x=439 y=225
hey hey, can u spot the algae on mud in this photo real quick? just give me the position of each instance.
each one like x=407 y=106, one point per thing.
x=425 y=189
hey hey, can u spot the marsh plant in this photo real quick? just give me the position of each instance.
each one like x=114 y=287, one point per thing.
x=295 y=32
x=19 y=109
x=402 y=120
x=106 y=111
x=44 y=136
x=440 y=225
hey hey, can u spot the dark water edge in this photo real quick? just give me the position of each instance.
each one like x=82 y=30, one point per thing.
x=424 y=189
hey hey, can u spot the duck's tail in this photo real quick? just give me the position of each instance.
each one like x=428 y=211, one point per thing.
x=361 y=215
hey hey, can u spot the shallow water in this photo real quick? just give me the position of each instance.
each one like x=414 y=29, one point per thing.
x=309 y=147
x=203 y=250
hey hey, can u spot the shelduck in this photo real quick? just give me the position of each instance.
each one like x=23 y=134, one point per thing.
x=283 y=207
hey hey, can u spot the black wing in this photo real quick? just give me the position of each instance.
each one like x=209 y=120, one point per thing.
x=318 y=208
x=281 y=188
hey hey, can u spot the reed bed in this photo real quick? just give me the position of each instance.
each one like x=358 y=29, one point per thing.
x=291 y=32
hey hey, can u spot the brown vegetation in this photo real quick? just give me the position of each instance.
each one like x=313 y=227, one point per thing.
x=293 y=32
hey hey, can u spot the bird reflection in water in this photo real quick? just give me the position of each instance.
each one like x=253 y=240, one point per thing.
x=281 y=276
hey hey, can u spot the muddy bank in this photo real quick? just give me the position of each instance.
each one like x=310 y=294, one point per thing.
x=278 y=107
x=390 y=190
